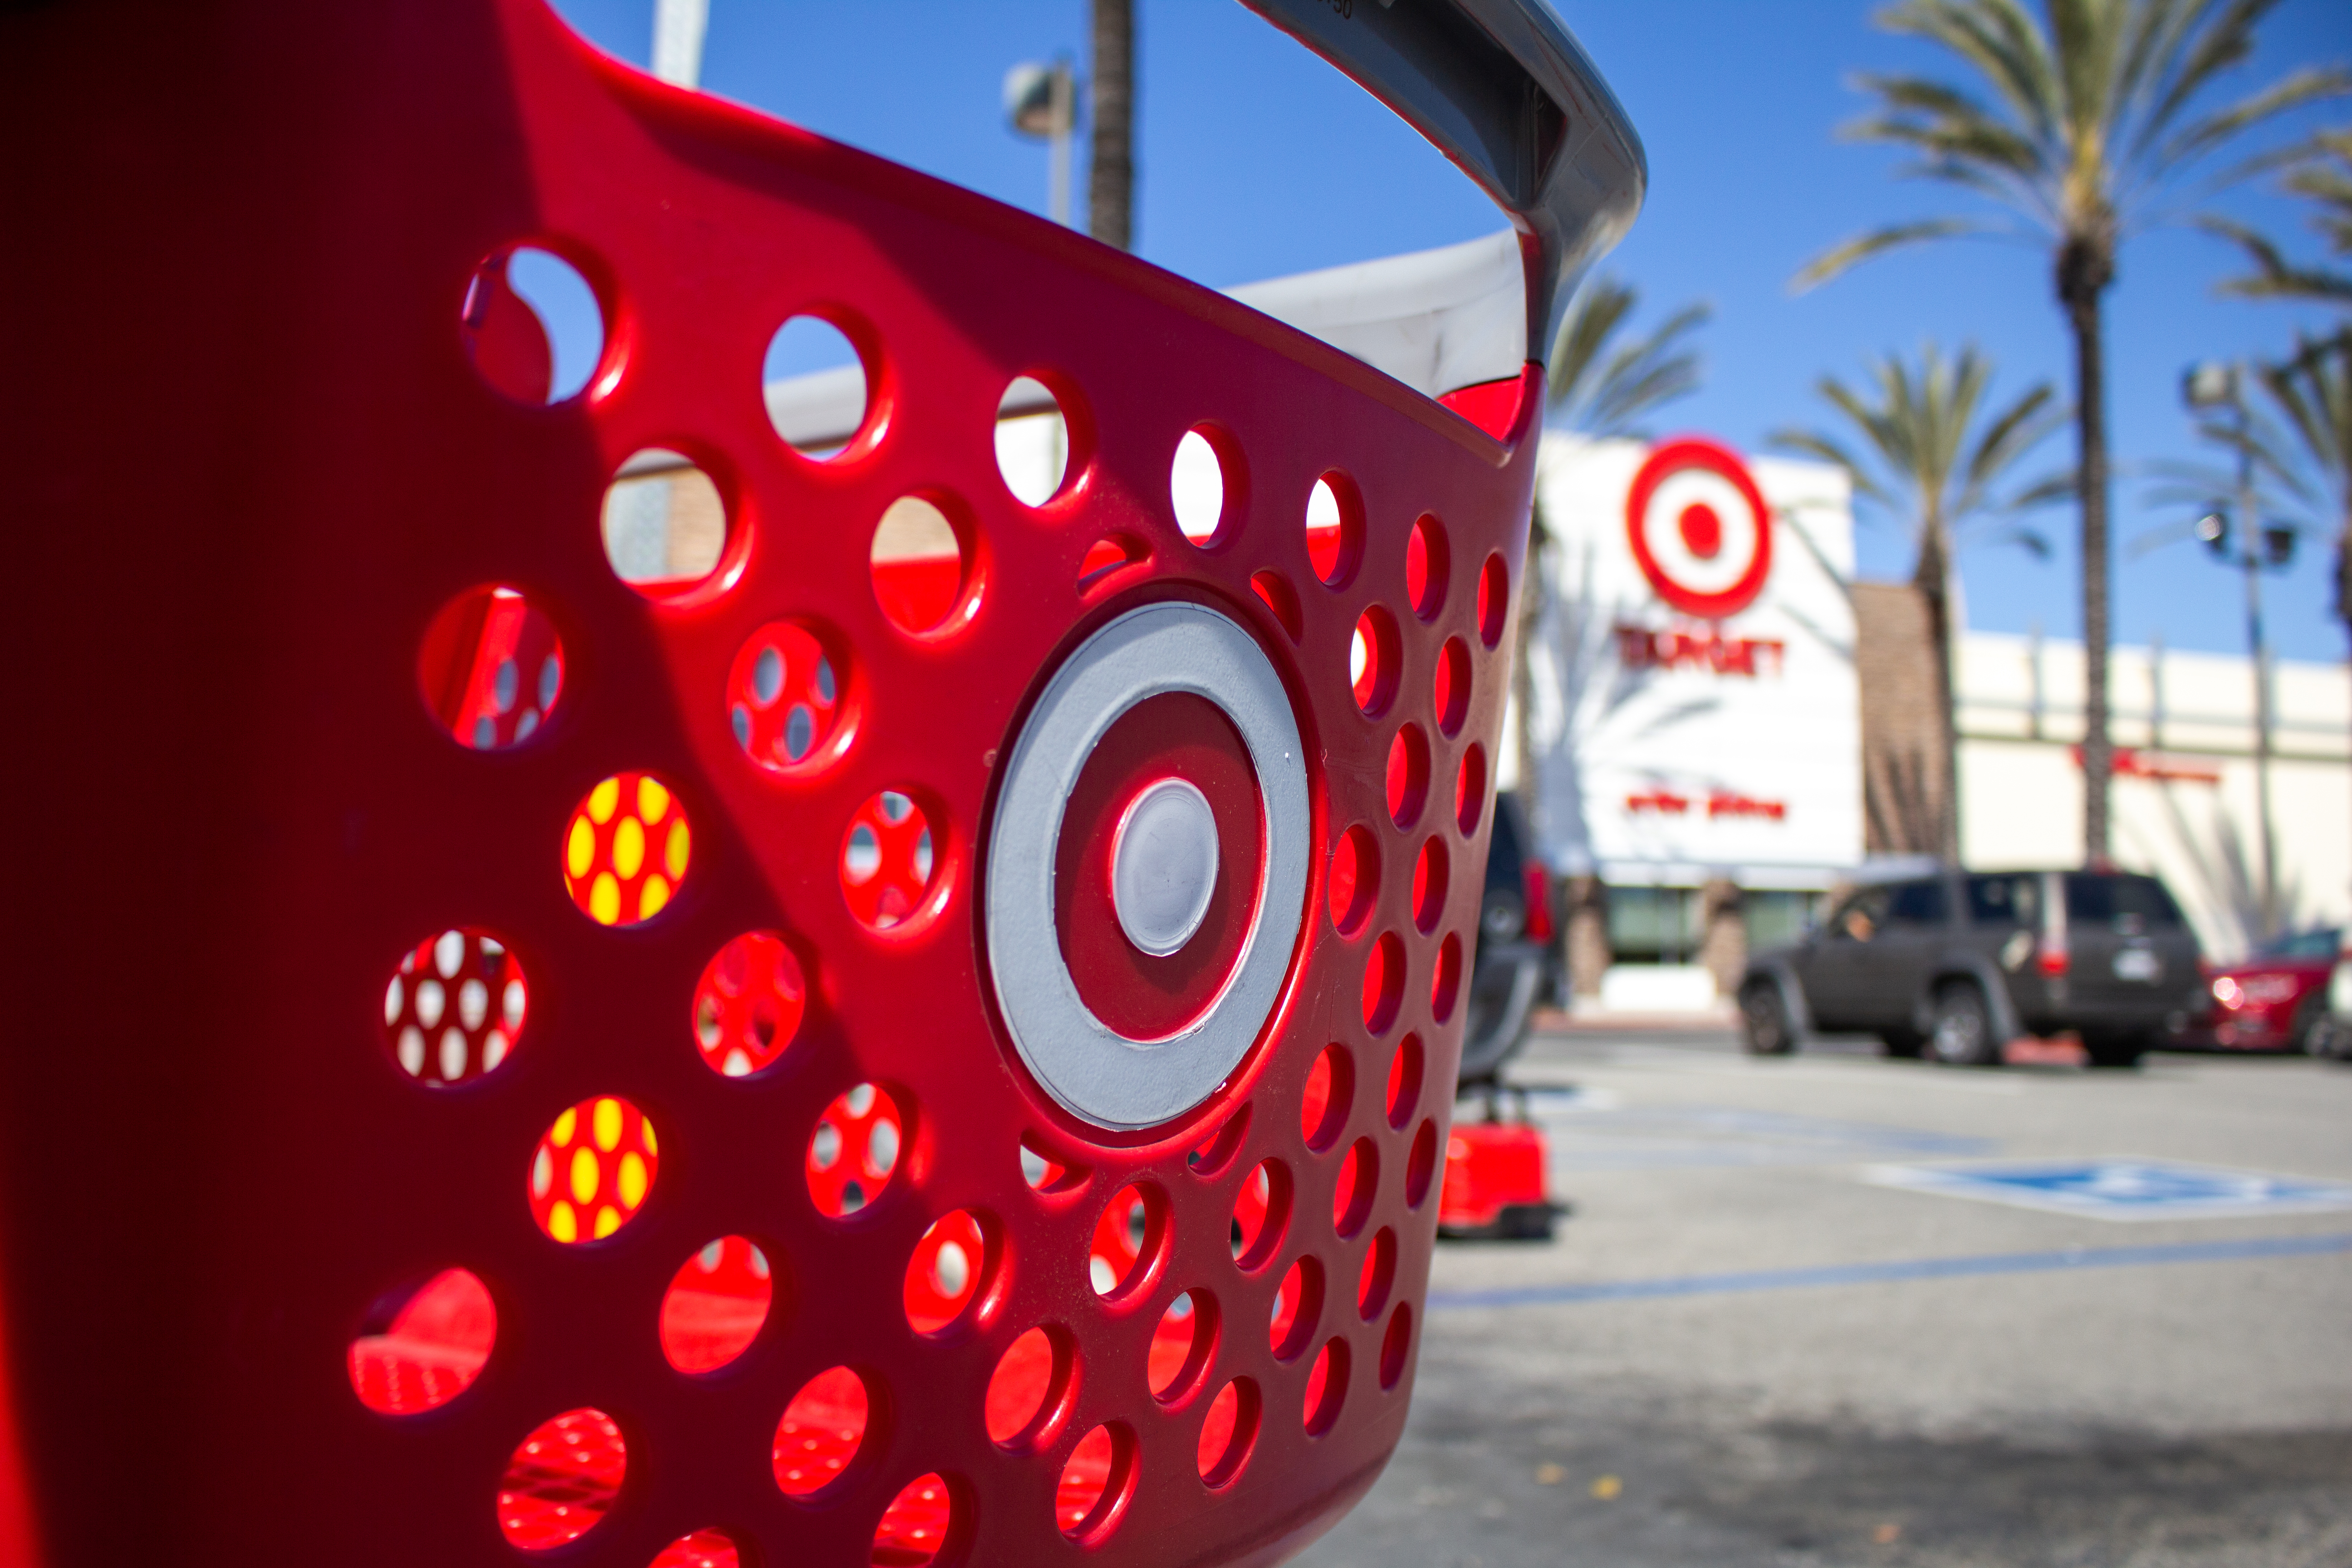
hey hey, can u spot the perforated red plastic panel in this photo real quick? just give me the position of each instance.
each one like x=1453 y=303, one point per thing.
x=250 y=404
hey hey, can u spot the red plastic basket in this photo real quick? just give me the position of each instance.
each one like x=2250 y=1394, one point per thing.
x=507 y=1060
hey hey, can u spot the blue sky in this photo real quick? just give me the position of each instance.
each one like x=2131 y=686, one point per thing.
x=1255 y=158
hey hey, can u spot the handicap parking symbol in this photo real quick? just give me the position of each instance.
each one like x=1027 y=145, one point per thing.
x=2121 y=1189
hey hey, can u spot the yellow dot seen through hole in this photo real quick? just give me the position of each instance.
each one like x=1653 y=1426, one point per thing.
x=603 y=800
x=608 y=1124
x=652 y=897
x=584 y=1176
x=628 y=848
x=562 y=1223
x=608 y=1220
x=632 y=1182
x=579 y=850
x=676 y=850
x=646 y=1135
x=604 y=899
x=653 y=799
x=565 y=1126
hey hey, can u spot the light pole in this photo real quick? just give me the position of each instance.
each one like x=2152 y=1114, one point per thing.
x=2254 y=547
x=1042 y=100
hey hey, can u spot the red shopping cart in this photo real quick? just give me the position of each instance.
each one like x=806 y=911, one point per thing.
x=595 y=975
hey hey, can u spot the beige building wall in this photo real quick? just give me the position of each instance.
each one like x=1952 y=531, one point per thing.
x=2185 y=799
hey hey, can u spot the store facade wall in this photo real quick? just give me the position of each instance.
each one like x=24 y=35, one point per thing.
x=1693 y=735
x=2184 y=801
x=1704 y=767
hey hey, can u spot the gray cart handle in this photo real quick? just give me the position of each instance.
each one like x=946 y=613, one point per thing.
x=1502 y=89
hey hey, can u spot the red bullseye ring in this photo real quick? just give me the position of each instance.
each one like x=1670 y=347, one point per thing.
x=1147 y=865
x=1699 y=529
x=1173 y=735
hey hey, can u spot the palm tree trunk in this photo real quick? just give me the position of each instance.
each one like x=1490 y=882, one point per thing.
x=2084 y=270
x=1110 y=177
x=1933 y=579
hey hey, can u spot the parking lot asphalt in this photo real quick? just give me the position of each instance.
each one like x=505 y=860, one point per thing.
x=1750 y=1343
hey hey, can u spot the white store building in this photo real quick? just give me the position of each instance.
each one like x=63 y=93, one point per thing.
x=1696 y=684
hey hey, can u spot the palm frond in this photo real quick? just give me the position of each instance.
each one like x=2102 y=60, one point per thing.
x=1922 y=453
x=1604 y=387
x=1877 y=242
x=2312 y=85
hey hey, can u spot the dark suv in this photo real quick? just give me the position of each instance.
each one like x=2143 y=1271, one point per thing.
x=1518 y=962
x=1958 y=963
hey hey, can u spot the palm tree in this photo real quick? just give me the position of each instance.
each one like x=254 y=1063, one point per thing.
x=1919 y=460
x=2090 y=128
x=2312 y=394
x=1599 y=386
x=2320 y=171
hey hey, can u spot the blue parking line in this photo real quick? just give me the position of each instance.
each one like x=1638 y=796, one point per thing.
x=1908 y=1268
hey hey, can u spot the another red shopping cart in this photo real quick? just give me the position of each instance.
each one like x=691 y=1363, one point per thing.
x=594 y=976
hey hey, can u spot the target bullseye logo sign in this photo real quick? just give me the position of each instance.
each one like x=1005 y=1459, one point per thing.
x=1147 y=865
x=1699 y=529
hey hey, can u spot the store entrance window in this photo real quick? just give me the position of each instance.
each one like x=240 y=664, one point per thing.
x=1654 y=925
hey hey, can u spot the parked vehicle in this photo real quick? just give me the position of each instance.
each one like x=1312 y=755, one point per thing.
x=2276 y=1000
x=1956 y=964
x=1518 y=963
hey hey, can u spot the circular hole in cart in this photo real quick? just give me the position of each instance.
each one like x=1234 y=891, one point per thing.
x=1033 y=441
x=919 y=1523
x=1328 y=1096
x=490 y=667
x=664 y=523
x=1327 y=1387
x=453 y=1009
x=715 y=1304
x=1351 y=1198
x=429 y=1348
x=786 y=706
x=947 y=1273
x=1097 y=1480
x=1130 y=1241
x=626 y=850
x=1183 y=1343
x=1228 y=1433
x=853 y=1151
x=1335 y=529
x=592 y=1170
x=821 y=1433
x=814 y=383
x=888 y=860
x=1204 y=484
x=562 y=1479
x=1427 y=567
x=533 y=326
x=702 y=1549
x=1029 y=1392
x=1297 y=1308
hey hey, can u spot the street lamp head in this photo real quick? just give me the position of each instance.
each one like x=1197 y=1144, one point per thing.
x=2213 y=529
x=1038 y=100
x=2278 y=545
x=2209 y=385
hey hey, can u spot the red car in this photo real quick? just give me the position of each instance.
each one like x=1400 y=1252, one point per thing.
x=2276 y=1000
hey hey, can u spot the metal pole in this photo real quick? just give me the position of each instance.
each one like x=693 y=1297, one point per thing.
x=2250 y=560
x=679 y=26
